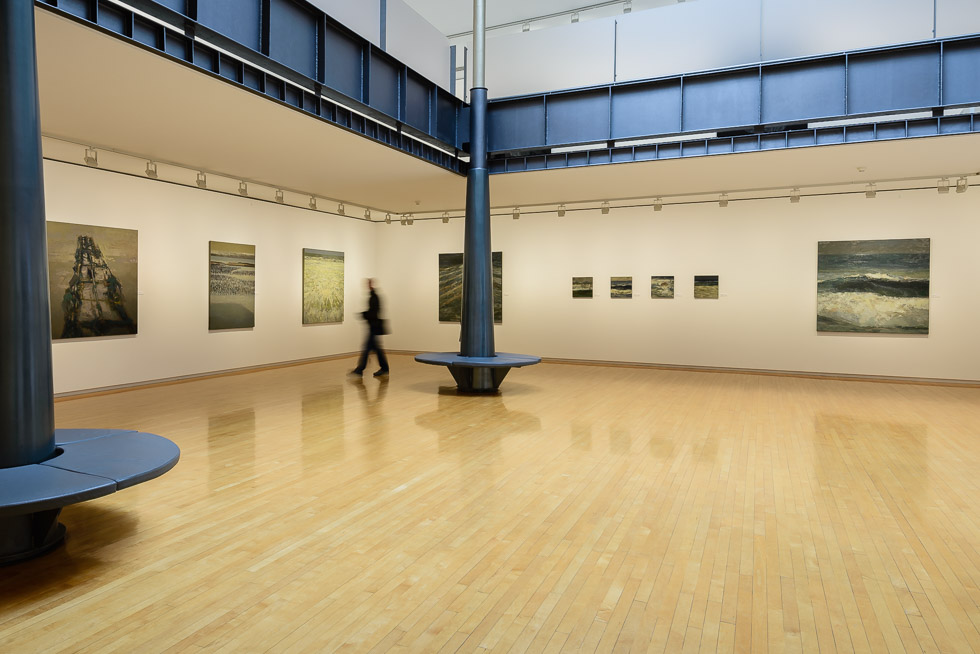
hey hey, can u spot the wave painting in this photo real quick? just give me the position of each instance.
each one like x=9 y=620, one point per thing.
x=873 y=286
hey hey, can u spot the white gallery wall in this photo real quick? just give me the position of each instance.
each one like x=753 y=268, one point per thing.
x=764 y=251
x=175 y=224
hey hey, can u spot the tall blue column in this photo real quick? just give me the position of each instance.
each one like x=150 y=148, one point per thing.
x=26 y=388
x=476 y=339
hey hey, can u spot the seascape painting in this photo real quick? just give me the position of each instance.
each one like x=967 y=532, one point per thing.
x=873 y=286
x=231 y=299
x=621 y=287
x=451 y=286
x=582 y=287
x=706 y=287
x=92 y=280
x=323 y=287
x=662 y=287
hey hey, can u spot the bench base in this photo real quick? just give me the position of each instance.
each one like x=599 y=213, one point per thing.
x=28 y=536
x=478 y=374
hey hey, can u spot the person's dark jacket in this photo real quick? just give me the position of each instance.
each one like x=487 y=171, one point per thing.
x=373 y=314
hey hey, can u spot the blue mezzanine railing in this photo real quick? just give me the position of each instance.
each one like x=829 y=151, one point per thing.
x=292 y=52
x=748 y=108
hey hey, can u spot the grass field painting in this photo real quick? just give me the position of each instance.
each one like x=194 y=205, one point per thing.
x=323 y=287
x=451 y=286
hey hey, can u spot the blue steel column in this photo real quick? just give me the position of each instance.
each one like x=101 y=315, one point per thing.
x=26 y=388
x=476 y=334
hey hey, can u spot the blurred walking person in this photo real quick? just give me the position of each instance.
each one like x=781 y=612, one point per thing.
x=376 y=328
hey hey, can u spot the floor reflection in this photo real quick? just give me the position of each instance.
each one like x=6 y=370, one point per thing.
x=322 y=427
x=231 y=447
x=374 y=429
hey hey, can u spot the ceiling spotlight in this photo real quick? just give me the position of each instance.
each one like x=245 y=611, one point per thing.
x=794 y=196
x=280 y=198
x=658 y=204
x=313 y=202
x=561 y=211
x=961 y=185
x=517 y=213
x=367 y=214
x=411 y=219
x=242 y=188
x=91 y=157
x=574 y=16
x=445 y=217
x=387 y=219
x=942 y=185
x=723 y=200
x=404 y=219
x=202 y=180
x=526 y=27
x=870 y=191
x=151 y=170
x=627 y=6
x=605 y=208
x=341 y=209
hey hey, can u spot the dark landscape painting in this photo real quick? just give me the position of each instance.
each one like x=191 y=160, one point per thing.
x=621 y=287
x=323 y=286
x=451 y=286
x=231 y=300
x=706 y=287
x=873 y=286
x=93 y=274
x=582 y=287
x=662 y=287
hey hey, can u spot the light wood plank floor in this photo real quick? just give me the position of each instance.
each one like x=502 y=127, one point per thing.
x=584 y=509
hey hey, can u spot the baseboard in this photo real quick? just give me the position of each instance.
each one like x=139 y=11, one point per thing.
x=169 y=381
x=928 y=381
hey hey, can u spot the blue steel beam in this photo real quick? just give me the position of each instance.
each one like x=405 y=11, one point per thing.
x=309 y=55
x=754 y=100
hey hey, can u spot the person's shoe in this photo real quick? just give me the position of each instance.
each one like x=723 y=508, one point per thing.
x=356 y=373
x=381 y=373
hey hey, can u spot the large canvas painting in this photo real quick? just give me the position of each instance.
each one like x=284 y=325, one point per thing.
x=706 y=287
x=231 y=302
x=323 y=286
x=873 y=286
x=93 y=277
x=451 y=286
x=582 y=287
x=621 y=287
x=662 y=287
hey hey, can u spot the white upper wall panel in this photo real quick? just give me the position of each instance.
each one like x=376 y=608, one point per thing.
x=688 y=37
x=800 y=28
x=363 y=16
x=955 y=17
x=530 y=62
x=415 y=42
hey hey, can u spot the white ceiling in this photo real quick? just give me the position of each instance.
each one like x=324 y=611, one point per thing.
x=98 y=90
x=456 y=16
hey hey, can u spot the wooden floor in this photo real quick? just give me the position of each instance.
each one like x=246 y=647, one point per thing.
x=584 y=509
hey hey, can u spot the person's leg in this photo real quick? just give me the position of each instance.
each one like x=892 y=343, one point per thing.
x=364 y=355
x=382 y=359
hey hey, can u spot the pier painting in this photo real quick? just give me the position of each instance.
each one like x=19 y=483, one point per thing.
x=662 y=287
x=582 y=287
x=231 y=300
x=621 y=287
x=451 y=286
x=706 y=287
x=873 y=286
x=93 y=280
x=323 y=286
